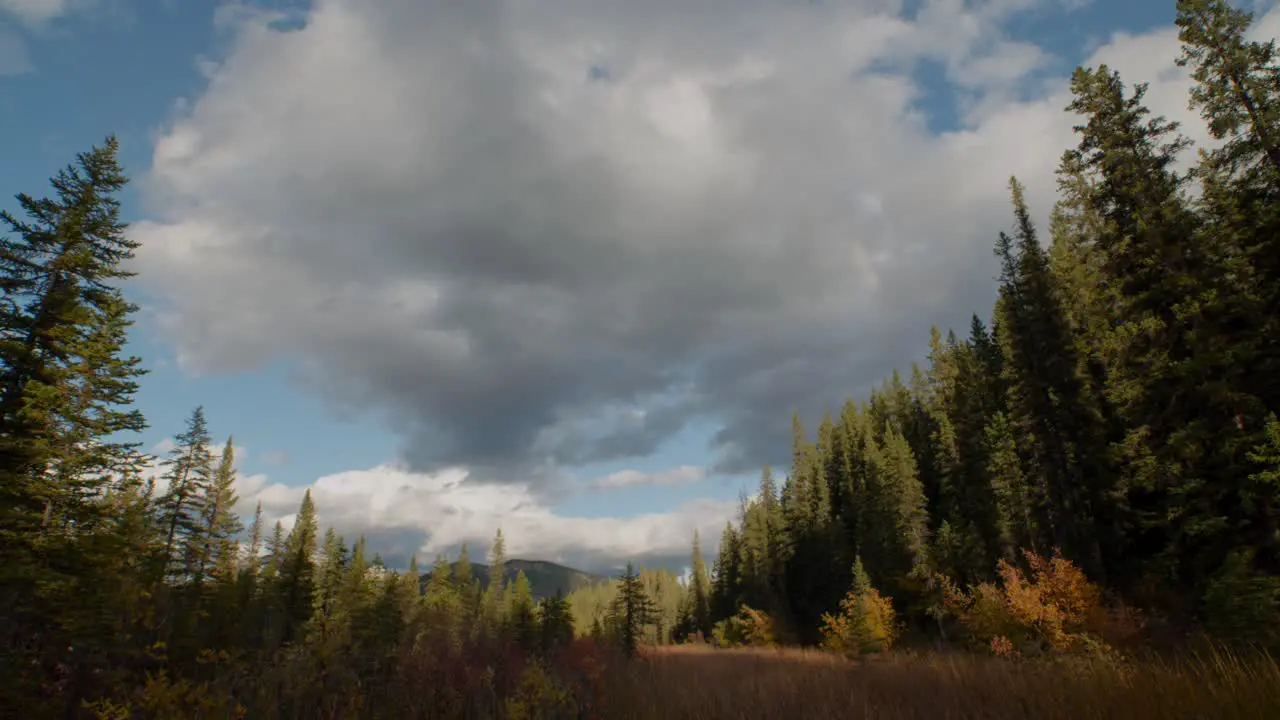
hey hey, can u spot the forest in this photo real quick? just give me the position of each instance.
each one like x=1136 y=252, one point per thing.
x=1070 y=509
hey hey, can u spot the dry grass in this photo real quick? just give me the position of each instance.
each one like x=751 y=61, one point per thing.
x=705 y=683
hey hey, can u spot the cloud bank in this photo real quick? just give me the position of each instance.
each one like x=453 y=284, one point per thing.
x=533 y=235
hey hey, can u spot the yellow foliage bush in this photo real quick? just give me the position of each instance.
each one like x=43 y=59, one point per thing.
x=750 y=627
x=866 y=624
x=1052 y=607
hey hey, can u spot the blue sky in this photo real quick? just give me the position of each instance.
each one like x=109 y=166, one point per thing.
x=71 y=72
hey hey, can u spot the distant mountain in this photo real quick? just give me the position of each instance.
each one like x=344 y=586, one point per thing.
x=544 y=577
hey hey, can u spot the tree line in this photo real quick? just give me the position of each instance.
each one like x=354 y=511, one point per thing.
x=1117 y=409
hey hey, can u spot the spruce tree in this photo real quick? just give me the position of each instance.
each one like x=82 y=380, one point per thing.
x=521 y=621
x=64 y=384
x=699 y=590
x=188 y=475
x=1238 y=95
x=65 y=387
x=555 y=623
x=631 y=611
x=727 y=579
x=1049 y=400
x=298 y=570
x=1181 y=371
x=221 y=524
x=491 y=603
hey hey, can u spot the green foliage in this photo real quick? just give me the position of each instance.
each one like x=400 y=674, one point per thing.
x=630 y=612
x=1242 y=604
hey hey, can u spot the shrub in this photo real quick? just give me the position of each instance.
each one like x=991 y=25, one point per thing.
x=750 y=627
x=866 y=622
x=1052 y=607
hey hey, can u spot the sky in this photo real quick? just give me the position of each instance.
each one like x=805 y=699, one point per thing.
x=564 y=267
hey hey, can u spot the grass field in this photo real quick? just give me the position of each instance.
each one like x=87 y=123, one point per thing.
x=704 y=683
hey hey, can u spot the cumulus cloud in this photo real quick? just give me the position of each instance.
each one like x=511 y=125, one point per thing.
x=536 y=234
x=402 y=513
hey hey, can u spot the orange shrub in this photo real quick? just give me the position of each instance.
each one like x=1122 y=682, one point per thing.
x=1053 y=607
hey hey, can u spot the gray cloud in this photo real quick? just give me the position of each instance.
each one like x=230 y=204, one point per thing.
x=440 y=214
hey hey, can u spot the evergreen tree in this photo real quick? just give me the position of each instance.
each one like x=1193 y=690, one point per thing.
x=64 y=385
x=631 y=611
x=297 y=570
x=699 y=590
x=409 y=593
x=726 y=584
x=221 y=524
x=65 y=390
x=1048 y=399
x=188 y=476
x=468 y=586
x=1180 y=366
x=521 y=621
x=555 y=623
x=491 y=604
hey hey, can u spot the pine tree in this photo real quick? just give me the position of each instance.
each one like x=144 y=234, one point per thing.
x=1049 y=401
x=249 y=576
x=555 y=623
x=631 y=611
x=188 y=475
x=298 y=570
x=1236 y=87
x=410 y=593
x=521 y=620
x=221 y=524
x=1017 y=499
x=1180 y=366
x=699 y=589
x=491 y=604
x=330 y=575
x=727 y=576
x=65 y=387
x=468 y=586
x=1239 y=96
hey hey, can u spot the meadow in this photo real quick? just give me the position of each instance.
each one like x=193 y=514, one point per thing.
x=702 y=683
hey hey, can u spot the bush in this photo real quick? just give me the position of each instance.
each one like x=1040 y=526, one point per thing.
x=866 y=622
x=1051 y=608
x=750 y=627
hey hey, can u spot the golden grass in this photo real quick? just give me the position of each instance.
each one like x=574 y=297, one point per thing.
x=705 y=683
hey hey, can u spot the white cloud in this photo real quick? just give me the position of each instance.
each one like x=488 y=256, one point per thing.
x=404 y=512
x=629 y=478
x=434 y=211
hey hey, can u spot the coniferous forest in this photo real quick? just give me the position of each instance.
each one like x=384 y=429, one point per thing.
x=1070 y=508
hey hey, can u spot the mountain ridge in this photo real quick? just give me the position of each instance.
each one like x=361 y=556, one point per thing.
x=545 y=577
